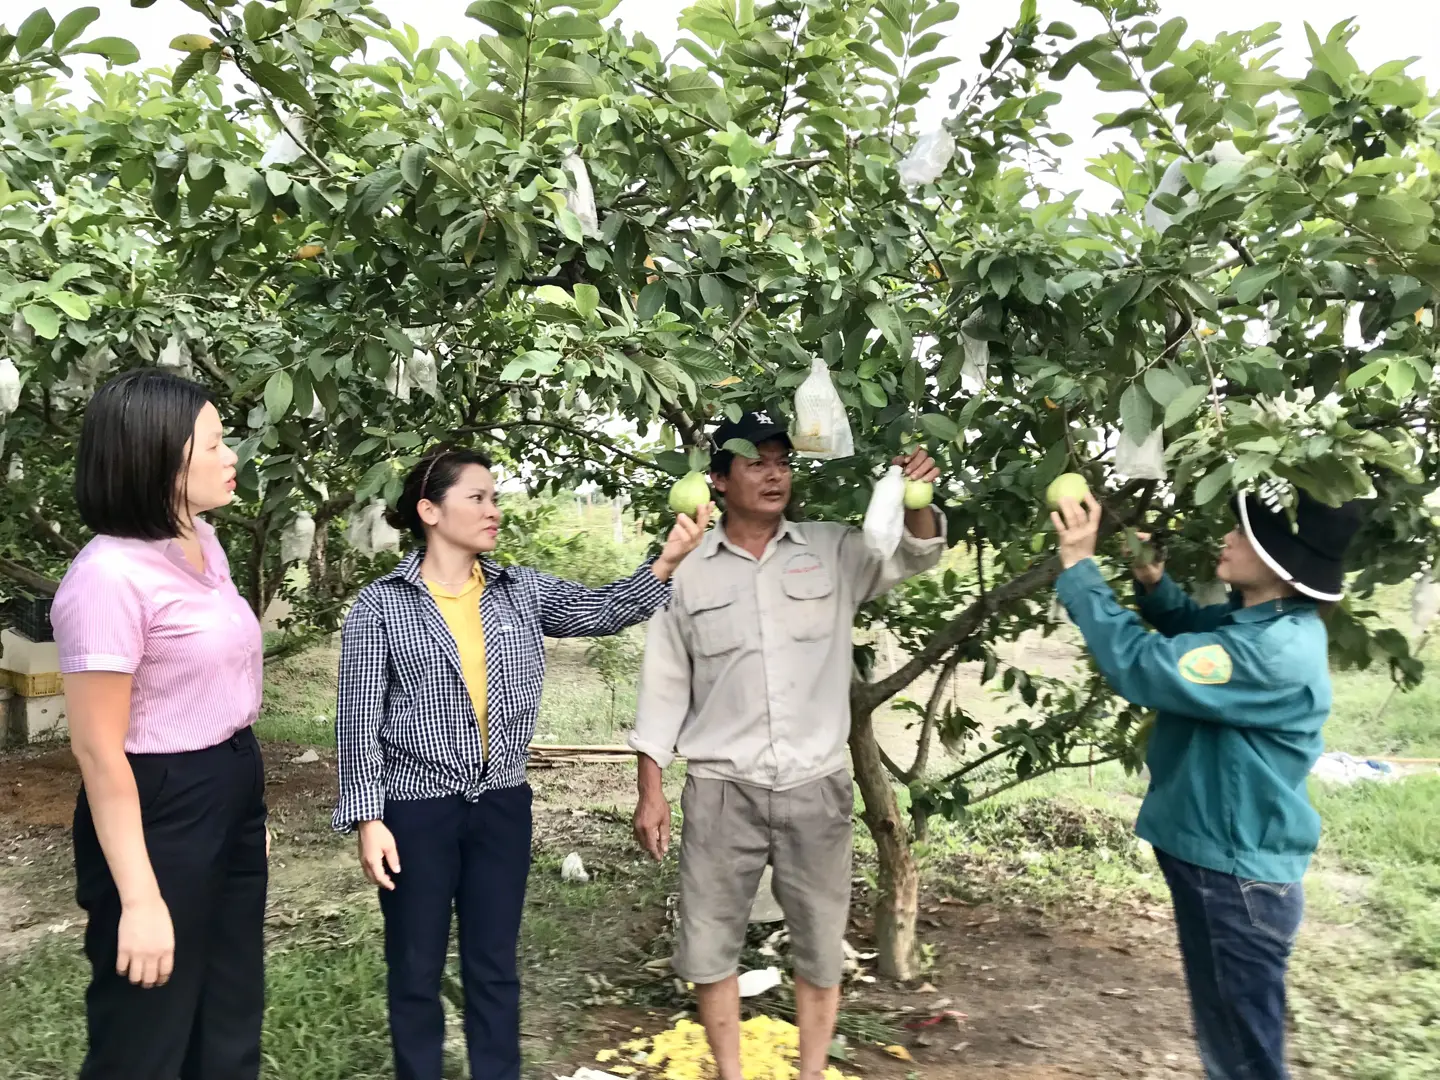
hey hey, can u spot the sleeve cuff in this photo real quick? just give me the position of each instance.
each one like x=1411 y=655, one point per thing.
x=916 y=544
x=355 y=807
x=120 y=665
x=663 y=758
x=652 y=591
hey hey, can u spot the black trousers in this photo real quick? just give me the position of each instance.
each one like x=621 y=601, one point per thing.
x=476 y=857
x=204 y=822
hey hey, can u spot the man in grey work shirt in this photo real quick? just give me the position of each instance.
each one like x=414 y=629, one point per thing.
x=747 y=675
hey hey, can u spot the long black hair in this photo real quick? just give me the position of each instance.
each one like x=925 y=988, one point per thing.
x=433 y=476
x=135 y=444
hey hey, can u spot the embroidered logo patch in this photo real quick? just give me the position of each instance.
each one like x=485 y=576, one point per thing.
x=1208 y=665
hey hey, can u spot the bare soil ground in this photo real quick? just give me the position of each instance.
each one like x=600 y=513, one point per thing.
x=1078 y=990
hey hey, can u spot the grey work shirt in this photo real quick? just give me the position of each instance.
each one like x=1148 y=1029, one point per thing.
x=747 y=673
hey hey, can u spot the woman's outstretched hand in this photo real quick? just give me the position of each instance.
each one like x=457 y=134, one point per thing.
x=684 y=538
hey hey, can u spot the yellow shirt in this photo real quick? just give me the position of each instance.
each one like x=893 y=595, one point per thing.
x=461 y=611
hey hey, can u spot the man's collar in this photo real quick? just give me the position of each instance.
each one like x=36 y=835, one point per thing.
x=1272 y=609
x=716 y=537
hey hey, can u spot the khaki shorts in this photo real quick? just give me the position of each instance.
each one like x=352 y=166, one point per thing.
x=731 y=832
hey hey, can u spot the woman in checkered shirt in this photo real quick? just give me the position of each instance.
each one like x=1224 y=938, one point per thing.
x=441 y=667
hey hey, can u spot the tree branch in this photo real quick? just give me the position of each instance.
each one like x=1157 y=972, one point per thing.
x=932 y=707
x=28 y=578
x=48 y=530
x=588 y=436
x=1018 y=780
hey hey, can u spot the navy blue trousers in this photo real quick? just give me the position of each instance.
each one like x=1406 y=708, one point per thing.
x=472 y=857
x=1235 y=938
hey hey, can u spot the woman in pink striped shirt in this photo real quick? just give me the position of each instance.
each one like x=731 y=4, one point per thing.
x=162 y=678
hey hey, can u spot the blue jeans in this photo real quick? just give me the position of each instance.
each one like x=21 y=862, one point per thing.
x=1235 y=938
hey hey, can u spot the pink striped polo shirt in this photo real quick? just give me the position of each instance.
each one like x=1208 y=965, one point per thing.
x=192 y=644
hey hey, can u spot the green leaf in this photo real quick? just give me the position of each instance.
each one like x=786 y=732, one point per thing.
x=741 y=448
x=500 y=17
x=939 y=426
x=1115 y=298
x=1163 y=386
x=536 y=361
x=72 y=26
x=714 y=292
x=374 y=191
x=1213 y=484
x=570 y=225
x=936 y=14
x=77 y=307
x=187 y=70
x=587 y=300
x=279 y=389
x=114 y=49
x=33 y=32
x=412 y=165
x=1184 y=404
x=1250 y=283
x=873 y=394
x=283 y=84
x=652 y=299
x=882 y=316
x=1222 y=174
x=43 y=320
x=553 y=294
x=692 y=88
x=1164 y=43
x=568 y=28
x=1061 y=30
x=1135 y=412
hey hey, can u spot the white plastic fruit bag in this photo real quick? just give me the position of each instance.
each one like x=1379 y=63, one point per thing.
x=926 y=159
x=298 y=539
x=283 y=149
x=369 y=532
x=1143 y=459
x=9 y=387
x=1425 y=603
x=580 y=198
x=976 y=366
x=885 y=516
x=821 y=429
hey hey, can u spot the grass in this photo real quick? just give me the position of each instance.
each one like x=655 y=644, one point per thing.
x=325 y=1014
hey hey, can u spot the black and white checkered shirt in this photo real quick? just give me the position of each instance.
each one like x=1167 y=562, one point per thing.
x=405 y=725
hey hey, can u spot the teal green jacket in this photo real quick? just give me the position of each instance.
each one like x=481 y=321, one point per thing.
x=1241 y=694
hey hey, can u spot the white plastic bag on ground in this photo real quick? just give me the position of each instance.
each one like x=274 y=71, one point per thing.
x=926 y=159
x=580 y=197
x=572 y=870
x=298 y=539
x=9 y=387
x=754 y=983
x=821 y=429
x=885 y=516
x=1143 y=460
x=1424 y=604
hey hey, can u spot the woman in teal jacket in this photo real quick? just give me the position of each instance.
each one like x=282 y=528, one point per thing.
x=1242 y=691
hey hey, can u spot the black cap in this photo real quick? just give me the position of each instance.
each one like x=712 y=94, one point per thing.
x=753 y=427
x=1311 y=556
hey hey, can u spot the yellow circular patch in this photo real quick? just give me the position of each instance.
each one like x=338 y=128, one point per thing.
x=1208 y=665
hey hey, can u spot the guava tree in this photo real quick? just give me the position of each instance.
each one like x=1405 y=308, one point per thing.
x=553 y=240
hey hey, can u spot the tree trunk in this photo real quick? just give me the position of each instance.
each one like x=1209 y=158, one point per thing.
x=898 y=906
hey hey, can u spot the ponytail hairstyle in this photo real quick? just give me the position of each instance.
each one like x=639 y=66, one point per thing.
x=431 y=478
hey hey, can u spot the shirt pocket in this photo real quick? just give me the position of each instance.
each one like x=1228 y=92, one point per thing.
x=715 y=618
x=810 y=613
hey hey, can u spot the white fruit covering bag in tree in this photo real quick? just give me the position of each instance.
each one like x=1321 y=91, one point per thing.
x=976 y=365
x=298 y=539
x=283 y=149
x=885 y=516
x=16 y=472
x=1425 y=603
x=821 y=428
x=926 y=159
x=370 y=533
x=176 y=356
x=580 y=197
x=1142 y=460
x=9 y=387
x=424 y=373
x=398 y=381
